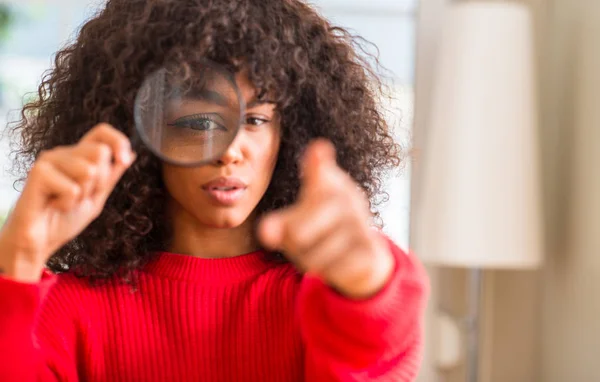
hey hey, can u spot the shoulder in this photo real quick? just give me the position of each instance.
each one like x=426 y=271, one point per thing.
x=284 y=277
x=71 y=293
x=66 y=283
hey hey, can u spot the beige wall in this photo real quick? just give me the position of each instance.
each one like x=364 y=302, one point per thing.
x=542 y=326
x=547 y=327
x=570 y=345
x=428 y=29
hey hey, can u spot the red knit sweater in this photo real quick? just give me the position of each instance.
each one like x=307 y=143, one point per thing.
x=190 y=319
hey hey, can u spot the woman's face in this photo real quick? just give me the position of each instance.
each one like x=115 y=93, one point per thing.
x=224 y=194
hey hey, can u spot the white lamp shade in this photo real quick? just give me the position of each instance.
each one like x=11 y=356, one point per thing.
x=480 y=202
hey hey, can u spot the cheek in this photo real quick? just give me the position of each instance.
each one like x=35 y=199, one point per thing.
x=181 y=183
x=267 y=151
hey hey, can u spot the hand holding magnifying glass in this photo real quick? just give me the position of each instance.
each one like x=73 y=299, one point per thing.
x=186 y=114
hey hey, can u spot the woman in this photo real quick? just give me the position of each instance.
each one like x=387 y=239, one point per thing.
x=260 y=266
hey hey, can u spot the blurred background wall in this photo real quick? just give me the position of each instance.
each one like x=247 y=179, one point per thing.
x=32 y=32
x=538 y=325
x=570 y=338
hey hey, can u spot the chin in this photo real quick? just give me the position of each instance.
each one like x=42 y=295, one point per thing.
x=223 y=219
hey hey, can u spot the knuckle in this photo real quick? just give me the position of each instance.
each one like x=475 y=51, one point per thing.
x=102 y=151
x=53 y=154
x=358 y=206
x=298 y=236
x=355 y=203
x=340 y=208
x=89 y=171
x=97 y=210
x=45 y=155
x=293 y=238
x=111 y=132
x=40 y=167
x=102 y=128
x=101 y=132
x=74 y=191
x=84 y=146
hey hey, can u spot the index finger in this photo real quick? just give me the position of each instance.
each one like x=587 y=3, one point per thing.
x=117 y=141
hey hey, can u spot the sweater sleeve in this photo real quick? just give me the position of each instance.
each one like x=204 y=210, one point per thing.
x=34 y=346
x=378 y=339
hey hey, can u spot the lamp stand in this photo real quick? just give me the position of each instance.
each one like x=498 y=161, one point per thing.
x=475 y=287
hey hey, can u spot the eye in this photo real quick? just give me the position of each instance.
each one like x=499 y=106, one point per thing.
x=255 y=121
x=198 y=122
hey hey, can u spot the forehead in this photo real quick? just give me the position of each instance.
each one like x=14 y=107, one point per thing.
x=246 y=86
x=218 y=86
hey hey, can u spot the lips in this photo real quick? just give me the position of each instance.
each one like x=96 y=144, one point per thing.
x=225 y=191
x=225 y=184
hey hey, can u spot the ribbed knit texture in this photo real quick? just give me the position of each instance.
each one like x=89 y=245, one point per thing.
x=190 y=319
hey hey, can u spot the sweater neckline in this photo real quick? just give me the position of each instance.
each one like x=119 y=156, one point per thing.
x=202 y=270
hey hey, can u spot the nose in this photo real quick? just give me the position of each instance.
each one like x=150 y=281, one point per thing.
x=232 y=155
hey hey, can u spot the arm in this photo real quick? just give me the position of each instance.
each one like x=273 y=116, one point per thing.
x=37 y=338
x=374 y=332
x=377 y=339
x=66 y=189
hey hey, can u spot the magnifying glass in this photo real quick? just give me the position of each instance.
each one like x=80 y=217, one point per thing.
x=189 y=114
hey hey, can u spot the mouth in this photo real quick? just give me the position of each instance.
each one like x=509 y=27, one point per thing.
x=221 y=188
x=225 y=184
x=225 y=191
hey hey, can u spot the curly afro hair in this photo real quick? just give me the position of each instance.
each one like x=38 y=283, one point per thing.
x=323 y=87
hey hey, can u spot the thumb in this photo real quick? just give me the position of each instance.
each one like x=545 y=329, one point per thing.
x=318 y=157
x=270 y=230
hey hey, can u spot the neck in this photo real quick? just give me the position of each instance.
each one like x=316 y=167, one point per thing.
x=191 y=237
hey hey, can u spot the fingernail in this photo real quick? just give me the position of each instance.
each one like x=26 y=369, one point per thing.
x=127 y=157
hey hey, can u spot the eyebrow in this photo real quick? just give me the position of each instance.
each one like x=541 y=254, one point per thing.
x=256 y=102
x=219 y=99
x=208 y=95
